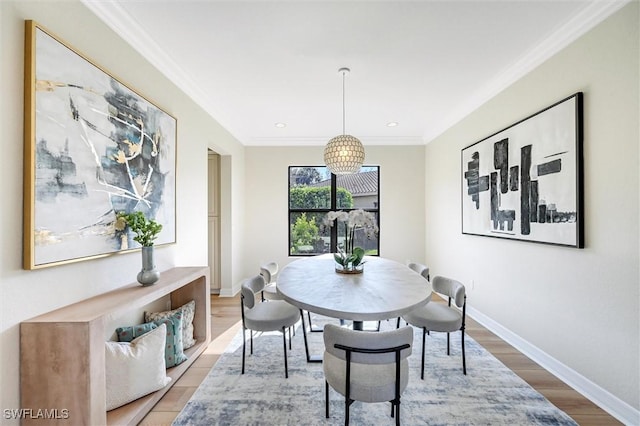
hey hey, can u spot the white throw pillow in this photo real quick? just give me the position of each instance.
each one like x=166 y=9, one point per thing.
x=135 y=369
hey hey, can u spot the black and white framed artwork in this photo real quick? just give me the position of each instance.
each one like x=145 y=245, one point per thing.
x=525 y=181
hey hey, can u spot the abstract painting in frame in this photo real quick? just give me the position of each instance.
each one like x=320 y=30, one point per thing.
x=93 y=147
x=525 y=181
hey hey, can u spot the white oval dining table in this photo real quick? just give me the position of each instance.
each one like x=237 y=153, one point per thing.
x=386 y=289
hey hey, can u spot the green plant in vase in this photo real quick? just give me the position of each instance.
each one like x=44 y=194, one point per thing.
x=351 y=258
x=350 y=262
x=146 y=230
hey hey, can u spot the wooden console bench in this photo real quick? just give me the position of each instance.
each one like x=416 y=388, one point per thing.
x=62 y=353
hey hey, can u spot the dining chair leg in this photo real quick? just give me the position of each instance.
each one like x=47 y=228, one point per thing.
x=284 y=343
x=289 y=337
x=251 y=340
x=346 y=411
x=326 y=399
x=398 y=414
x=448 y=344
x=464 y=362
x=424 y=335
x=244 y=345
x=398 y=323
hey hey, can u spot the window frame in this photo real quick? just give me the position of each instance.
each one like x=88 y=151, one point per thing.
x=333 y=201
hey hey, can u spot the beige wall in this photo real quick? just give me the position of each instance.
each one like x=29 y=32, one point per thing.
x=401 y=211
x=580 y=307
x=24 y=294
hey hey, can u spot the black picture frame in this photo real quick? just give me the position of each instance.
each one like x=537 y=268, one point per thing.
x=525 y=182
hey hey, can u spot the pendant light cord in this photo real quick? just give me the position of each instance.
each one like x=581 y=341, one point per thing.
x=343 y=109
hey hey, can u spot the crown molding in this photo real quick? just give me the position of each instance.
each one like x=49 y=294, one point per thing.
x=116 y=18
x=319 y=141
x=582 y=22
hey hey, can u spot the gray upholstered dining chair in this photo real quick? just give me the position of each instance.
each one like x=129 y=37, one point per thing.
x=435 y=316
x=366 y=367
x=269 y=271
x=276 y=315
x=421 y=269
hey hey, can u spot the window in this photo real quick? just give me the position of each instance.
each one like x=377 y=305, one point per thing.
x=313 y=192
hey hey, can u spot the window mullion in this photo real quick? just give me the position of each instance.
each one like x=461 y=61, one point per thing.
x=334 y=206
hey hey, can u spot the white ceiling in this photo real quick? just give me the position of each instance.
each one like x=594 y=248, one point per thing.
x=422 y=64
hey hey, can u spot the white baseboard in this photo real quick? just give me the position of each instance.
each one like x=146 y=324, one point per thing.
x=596 y=394
x=230 y=292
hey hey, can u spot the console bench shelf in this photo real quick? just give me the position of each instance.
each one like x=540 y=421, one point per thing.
x=62 y=353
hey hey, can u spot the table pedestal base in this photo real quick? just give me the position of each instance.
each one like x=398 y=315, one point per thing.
x=310 y=358
x=357 y=325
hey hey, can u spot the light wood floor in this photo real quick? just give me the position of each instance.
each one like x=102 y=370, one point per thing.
x=225 y=322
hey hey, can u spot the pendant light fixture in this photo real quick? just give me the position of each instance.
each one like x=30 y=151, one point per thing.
x=344 y=154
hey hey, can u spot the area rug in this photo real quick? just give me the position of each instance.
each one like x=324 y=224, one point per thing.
x=490 y=393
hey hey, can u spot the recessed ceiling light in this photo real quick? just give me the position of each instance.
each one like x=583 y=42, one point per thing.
x=280 y=125
x=392 y=124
